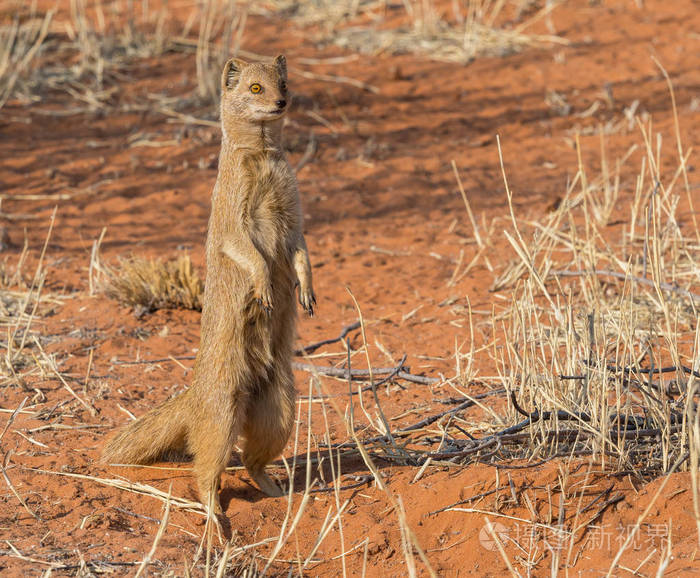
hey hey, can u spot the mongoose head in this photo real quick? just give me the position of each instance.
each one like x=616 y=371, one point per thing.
x=254 y=92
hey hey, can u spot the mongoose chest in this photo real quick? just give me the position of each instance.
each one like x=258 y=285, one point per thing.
x=273 y=207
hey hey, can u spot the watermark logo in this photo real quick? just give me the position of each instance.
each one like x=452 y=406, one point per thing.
x=486 y=538
x=604 y=537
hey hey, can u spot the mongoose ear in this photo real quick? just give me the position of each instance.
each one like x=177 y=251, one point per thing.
x=232 y=72
x=281 y=63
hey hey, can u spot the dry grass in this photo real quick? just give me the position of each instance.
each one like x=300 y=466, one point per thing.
x=89 y=51
x=20 y=43
x=475 y=28
x=21 y=302
x=594 y=319
x=598 y=345
x=151 y=284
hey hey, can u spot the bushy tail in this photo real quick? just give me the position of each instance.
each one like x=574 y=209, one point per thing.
x=160 y=431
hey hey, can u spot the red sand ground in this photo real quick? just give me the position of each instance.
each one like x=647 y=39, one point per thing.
x=383 y=218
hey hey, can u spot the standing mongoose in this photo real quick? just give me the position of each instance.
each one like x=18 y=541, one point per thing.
x=256 y=255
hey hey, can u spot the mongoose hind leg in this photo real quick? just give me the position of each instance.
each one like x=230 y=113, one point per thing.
x=211 y=443
x=268 y=423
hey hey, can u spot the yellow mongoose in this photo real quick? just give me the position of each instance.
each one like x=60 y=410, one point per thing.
x=256 y=254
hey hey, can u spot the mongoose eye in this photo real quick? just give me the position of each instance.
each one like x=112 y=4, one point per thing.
x=283 y=86
x=255 y=88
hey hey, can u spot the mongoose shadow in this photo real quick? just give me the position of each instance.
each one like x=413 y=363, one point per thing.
x=324 y=474
x=353 y=470
x=242 y=384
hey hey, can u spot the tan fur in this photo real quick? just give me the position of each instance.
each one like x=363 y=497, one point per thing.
x=256 y=254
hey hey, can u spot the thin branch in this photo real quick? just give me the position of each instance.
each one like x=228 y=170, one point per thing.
x=361 y=481
x=428 y=420
x=641 y=280
x=651 y=371
x=306 y=350
x=314 y=346
x=536 y=416
x=344 y=373
x=3 y=471
x=309 y=153
x=468 y=500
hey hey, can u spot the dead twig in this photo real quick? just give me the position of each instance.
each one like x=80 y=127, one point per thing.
x=546 y=415
x=3 y=470
x=428 y=420
x=466 y=404
x=649 y=371
x=641 y=280
x=335 y=79
x=361 y=481
x=319 y=369
x=309 y=153
x=344 y=373
x=468 y=500
x=306 y=350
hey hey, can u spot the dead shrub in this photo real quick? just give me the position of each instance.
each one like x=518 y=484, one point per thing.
x=151 y=284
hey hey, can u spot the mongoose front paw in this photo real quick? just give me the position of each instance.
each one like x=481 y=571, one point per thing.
x=307 y=299
x=263 y=298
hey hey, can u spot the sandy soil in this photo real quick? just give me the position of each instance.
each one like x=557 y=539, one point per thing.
x=385 y=220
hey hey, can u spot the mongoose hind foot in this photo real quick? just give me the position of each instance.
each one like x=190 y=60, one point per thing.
x=266 y=484
x=209 y=496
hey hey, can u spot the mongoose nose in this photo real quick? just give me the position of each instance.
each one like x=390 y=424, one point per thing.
x=281 y=103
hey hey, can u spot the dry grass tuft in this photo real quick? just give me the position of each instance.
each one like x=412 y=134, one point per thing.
x=147 y=284
x=21 y=302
